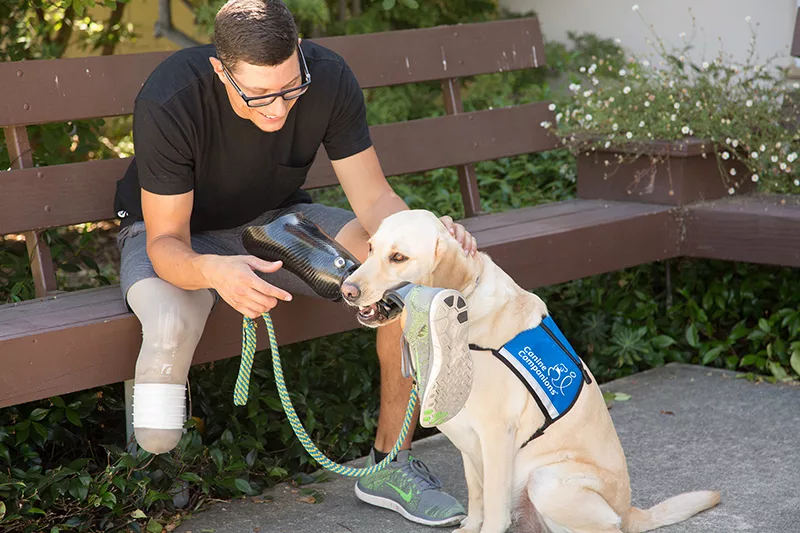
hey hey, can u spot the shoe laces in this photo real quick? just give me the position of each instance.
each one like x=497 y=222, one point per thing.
x=423 y=477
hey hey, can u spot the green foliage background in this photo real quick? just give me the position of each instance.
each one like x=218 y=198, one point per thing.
x=63 y=461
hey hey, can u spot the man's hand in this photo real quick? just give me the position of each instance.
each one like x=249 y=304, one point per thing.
x=233 y=277
x=467 y=241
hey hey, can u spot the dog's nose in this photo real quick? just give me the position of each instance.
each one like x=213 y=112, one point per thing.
x=351 y=292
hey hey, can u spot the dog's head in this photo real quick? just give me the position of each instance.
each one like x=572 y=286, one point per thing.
x=409 y=246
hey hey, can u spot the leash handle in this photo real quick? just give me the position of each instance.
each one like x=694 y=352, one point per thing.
x=241 y=389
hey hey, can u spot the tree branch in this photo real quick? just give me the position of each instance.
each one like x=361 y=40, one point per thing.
x=65 y=32
x=110 y=43
x=164 y=28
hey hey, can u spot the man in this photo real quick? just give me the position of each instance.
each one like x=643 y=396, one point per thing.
x=224 y=137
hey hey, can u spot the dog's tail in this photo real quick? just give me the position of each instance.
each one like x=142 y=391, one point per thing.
x=670 y=511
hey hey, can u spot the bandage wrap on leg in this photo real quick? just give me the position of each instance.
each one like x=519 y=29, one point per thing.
x=159 y=406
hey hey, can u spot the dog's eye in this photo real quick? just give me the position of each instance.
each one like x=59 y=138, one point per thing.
x=370 y=248
x=398 y=258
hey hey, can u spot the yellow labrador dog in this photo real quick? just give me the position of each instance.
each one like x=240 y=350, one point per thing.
x=573 y=477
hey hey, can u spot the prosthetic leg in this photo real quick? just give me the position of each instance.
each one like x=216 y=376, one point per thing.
x=172 y=321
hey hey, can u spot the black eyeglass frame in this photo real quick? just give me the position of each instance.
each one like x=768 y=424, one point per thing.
x=272 y=96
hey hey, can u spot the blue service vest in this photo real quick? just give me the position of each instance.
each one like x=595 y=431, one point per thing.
x=546 y=363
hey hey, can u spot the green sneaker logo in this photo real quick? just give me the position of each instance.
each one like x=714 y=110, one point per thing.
x=407 y=496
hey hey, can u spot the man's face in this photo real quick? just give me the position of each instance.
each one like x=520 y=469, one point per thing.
x=254 y=81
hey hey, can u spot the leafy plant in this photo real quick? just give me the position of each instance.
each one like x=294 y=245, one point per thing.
x=742 y=111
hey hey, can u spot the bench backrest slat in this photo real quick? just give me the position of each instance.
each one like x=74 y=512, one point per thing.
x=44 y=91
x=82 y=192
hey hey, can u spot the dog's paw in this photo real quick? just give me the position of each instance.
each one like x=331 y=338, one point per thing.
x=468 y=526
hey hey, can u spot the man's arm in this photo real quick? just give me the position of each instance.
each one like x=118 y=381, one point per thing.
x=170 y=250
x=366 y=188
x=373 y=199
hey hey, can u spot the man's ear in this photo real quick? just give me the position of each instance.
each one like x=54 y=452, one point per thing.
x=217 y=66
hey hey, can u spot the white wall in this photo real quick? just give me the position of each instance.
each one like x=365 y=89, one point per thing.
x=723 y=19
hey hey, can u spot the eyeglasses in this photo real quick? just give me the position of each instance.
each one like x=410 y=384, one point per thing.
x=288 y=94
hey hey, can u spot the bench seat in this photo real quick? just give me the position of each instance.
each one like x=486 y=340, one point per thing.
x=73 y=341
x=755 y=229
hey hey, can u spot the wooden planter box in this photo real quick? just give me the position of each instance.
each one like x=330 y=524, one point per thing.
x=680 y=176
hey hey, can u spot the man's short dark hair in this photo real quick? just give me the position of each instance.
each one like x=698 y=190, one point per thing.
x=259 y=32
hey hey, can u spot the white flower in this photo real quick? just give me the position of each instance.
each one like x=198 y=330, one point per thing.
x=592 y=68
x=698 y=104
x=726 y=155
x=671 y=84
x=754 y=155
x=552 y=107
x=774 y=158
x=754 y=177
x=587 y=94
x=583 y=69
x=791 y=157
x=545 y=124
x=574 y=87
x=645 y=63
x=796 y=85
x=629 y=135
x=747 y=18
x=608 y=143
x=797 y=183
x=783 y=165
x=682 y=35
x=635 y=7
x=778 y=145
x=611 y=99
x=749 y=103
x=641 y=124
x=735 y=143
x=731 y=190
x=614 y=126
x=728 y=140
x=733 y=172
x=685 y=130
x=676 y=105
x=559 y=117
x=622 y=72
x=588 y=117
x=673 y=117
x=626 y=90
x=705 y=65
x=618 y=40
x=647 y=103
x=681 y=58
x=595 y=81
x=762 y=147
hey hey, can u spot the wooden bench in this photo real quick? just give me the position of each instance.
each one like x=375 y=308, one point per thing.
x=63 y=342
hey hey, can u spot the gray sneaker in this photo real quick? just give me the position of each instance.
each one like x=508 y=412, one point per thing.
x=436 y=342
x=408 y=487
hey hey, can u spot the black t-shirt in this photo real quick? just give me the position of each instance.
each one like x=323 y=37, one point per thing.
x=188 y=137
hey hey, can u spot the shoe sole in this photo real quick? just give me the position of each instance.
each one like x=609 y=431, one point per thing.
x=449 y=380
x=387 y=503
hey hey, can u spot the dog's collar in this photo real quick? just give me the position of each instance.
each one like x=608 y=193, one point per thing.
x=543 y=360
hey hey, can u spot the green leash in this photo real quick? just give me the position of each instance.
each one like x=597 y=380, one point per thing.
x=242 y=387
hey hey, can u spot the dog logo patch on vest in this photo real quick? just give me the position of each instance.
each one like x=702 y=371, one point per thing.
x=548 y=366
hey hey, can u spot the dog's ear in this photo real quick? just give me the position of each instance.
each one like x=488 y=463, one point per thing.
x=450 y=267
